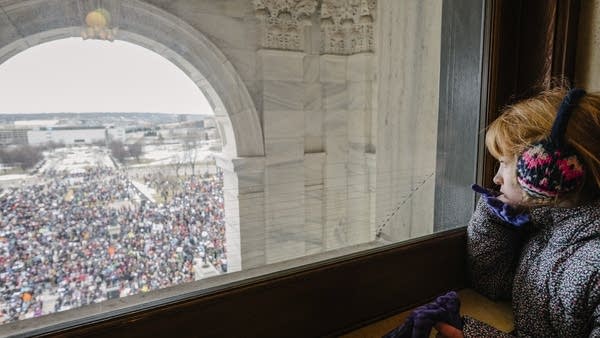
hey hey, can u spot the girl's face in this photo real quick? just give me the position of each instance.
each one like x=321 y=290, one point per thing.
x=507 y=180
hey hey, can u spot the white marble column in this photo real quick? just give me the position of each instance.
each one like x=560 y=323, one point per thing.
x=313 y=201
x=360 y=75
x=314 y=156
x=347 y=88
x=408 y=84
x=243 y=192
x=371 y=159
x=283 y=115
x=335 y=130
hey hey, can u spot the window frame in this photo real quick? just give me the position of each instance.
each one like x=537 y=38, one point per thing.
x=526 y=44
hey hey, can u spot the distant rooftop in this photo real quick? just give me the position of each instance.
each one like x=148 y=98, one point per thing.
x=35 y=123
x=72 y=127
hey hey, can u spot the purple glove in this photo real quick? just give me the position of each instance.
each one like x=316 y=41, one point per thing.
x=445 y=308
x=419 y=323
x=504 y=211
x=451 y=303
x=425 y=318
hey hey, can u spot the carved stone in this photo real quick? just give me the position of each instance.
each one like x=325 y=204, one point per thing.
x=347 y=26
x=284 y=22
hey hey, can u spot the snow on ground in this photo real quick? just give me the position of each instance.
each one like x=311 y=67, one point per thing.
x=161 y=152
x=77 y=158
x=14 y=180
x=156 y=155
x=14 y=177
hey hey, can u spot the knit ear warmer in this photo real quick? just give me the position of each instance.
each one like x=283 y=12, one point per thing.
x=551 y=167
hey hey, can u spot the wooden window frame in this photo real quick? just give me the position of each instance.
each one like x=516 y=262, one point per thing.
x=527 y=43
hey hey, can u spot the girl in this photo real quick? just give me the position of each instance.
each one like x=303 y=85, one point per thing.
x=537 y=240
x=541 y=245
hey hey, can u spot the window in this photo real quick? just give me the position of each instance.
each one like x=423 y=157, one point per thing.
x=105 y=193
x=343 y=169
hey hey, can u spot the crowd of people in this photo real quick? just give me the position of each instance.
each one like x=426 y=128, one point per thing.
x=82 y=238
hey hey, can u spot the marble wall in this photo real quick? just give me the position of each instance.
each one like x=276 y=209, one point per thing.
x=329 y=124
x=315 y=99
x=407 y=116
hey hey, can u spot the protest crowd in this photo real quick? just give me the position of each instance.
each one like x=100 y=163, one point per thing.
x=85 y=237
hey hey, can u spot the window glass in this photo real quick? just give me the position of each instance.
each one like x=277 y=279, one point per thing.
x=137 y=157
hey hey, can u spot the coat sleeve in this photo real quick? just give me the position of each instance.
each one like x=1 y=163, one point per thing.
x=592 y=296
x=473 y=328
x=574 y=300
x=493 y=250
x=596 y=323
x=594 y=299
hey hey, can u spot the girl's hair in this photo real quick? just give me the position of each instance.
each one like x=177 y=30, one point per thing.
x=530 y=121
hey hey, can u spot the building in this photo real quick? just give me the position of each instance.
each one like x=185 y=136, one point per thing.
x=74 y=135
x=13 y=136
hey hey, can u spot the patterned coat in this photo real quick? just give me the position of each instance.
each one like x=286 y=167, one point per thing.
x=551 y=270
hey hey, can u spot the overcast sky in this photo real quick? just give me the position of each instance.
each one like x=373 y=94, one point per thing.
x=76 y=75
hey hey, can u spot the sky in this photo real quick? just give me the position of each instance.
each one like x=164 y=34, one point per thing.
x=76 y=75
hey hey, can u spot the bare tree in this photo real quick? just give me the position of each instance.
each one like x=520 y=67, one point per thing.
x=135 y=150
x=191 y=144
x=117 y=150
x=25 y=156
x=177 y=162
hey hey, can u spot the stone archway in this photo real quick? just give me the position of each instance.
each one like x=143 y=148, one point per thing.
x=27 y=23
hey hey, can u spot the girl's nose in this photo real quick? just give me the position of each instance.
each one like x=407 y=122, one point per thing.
x=497 y=178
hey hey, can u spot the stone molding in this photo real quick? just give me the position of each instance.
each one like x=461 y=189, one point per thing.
x=347 y=26
x=240 y=164
x=284 y=22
